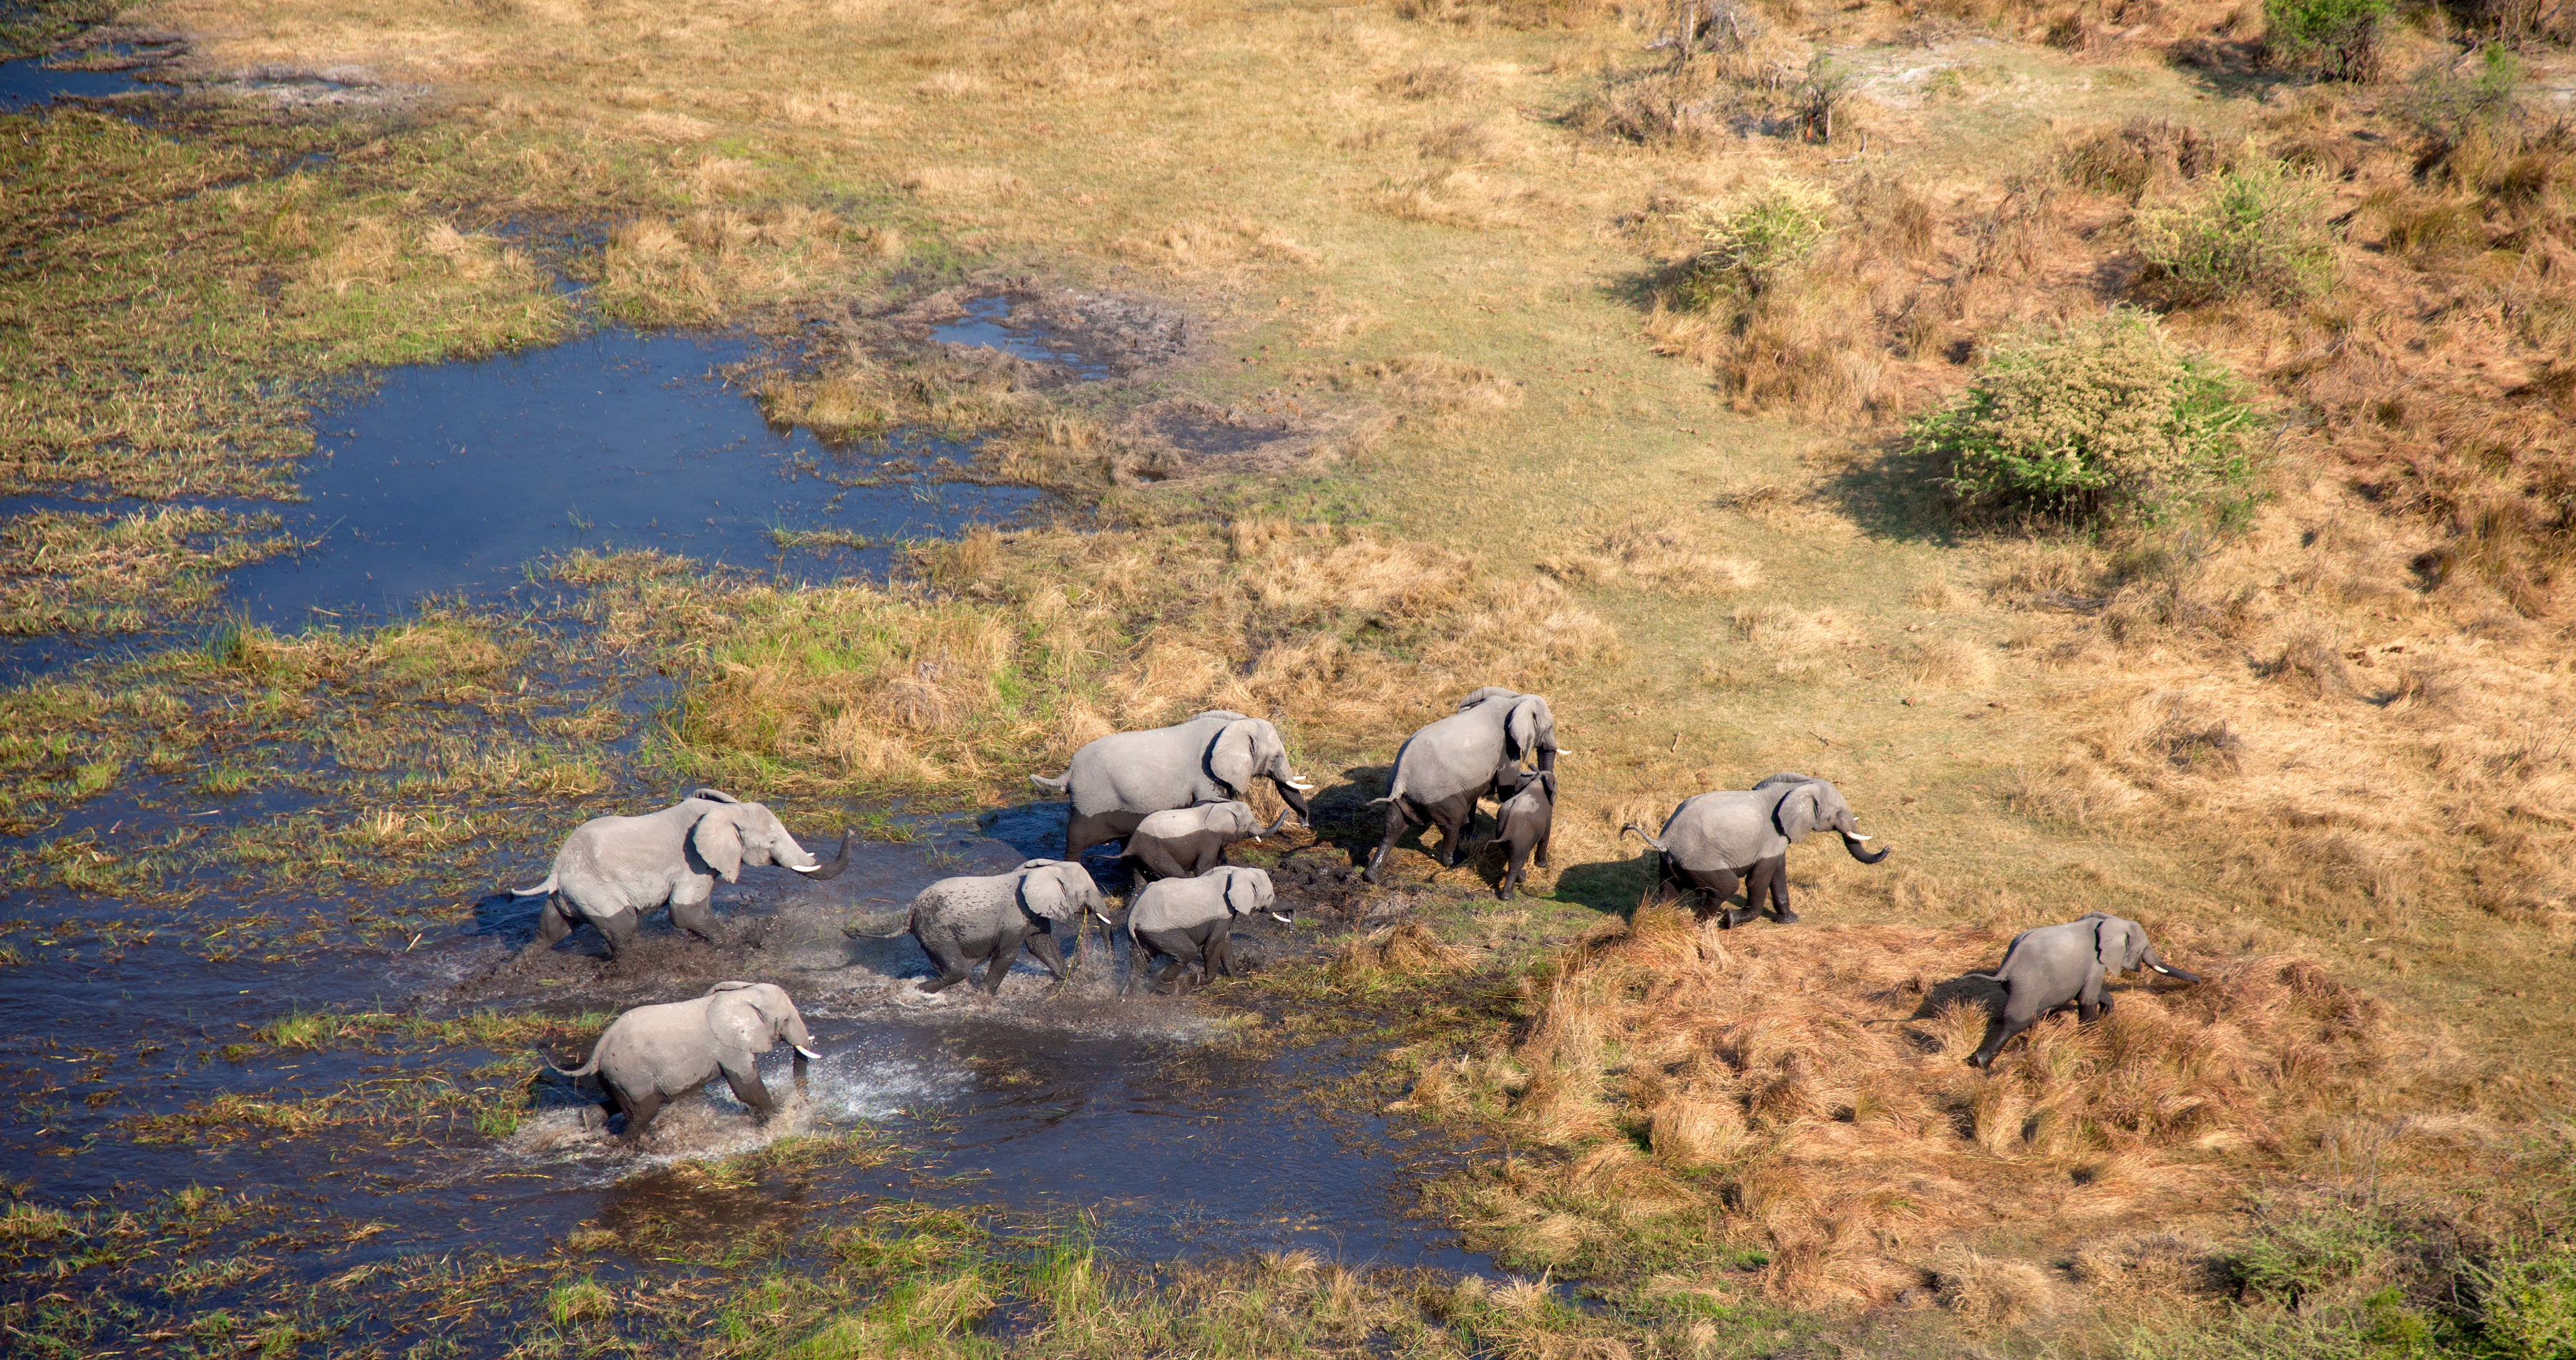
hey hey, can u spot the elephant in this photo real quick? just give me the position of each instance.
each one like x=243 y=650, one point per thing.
x=1442 y=769
x=2048 y=969
x=1115 y=783
x=961 y=921
x=1521 y=825
x=1192 y=920
x=654 y=1054
x=1187 y=842
x=1713 y=840
x=612 y=870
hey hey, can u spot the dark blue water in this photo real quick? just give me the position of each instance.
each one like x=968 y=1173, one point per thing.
x=451 y=478
x=989 y=324
x=29 y=83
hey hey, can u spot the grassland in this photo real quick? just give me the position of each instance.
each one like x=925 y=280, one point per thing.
x=2322 y=737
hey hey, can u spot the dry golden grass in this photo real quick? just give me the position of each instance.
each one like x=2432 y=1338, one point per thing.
x=1662 y=560
x=1817 y=1076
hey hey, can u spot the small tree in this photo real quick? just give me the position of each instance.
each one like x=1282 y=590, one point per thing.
x=2261 y=230
x=2330 y=39
x=1746 y=250
x=2101 y=421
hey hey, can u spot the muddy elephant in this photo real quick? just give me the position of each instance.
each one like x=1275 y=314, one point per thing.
x=1187 y=842
x=613 y=870
x=655 y=1054
x=960 y=922
x=2048 y=969
x=1714 y=840
x=1445 y=767
x=1115 y=783
x=1191 y=921
x=1522 y=826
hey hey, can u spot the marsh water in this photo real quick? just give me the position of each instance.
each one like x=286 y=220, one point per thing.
x=1174 y=1128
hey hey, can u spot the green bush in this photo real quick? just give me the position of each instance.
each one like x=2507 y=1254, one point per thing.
x=1746 y=250
x=2527 y=1304
x=2449 y=105
x=2102 y=421
x=2261 y=229
x=2329 y=39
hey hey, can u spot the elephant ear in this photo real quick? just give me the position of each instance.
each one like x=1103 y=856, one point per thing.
x=734 y=1018
x=2119 y=944
x=1050 y=894
x=714 y=796
x=1242 y=896
x=718 y=841
x=1234 y=755
x=1520 y=726
x=1797 y=813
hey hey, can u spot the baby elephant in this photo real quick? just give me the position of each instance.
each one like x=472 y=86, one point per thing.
x=654 y=1054
x=1521 y=825
x=1187 y=842
x=1715 y=840
x=613 y=870
x=962 y=921
x=2046 y=970
x=1191 y=920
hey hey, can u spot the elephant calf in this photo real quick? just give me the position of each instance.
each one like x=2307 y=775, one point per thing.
x=960 y=922
x=1187 y=842
x=1522 y=824
x=654 y=1054
x=1191 y=920
x=613 y=870
x=1713 y=840
x=2046 y=970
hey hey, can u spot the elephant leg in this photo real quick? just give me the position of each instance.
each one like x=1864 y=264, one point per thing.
x=1006 y=951
x=1707 y=890
x=2018 y=1014
x=1043 y=945
x=1397 y=819
x=1220 y=958
x=745 y=1081
x=1770 y=878
x=554 y=923
x=2090 y=1004
x=1541 y=856
x=621 y=930
x=1454 y=816
x=698 y=918
x=639 y=1113
x=1512 y=870
x=952 y=963
x=1081 y=832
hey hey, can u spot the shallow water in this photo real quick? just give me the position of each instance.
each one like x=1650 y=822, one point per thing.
x=30 y=83
x=992 y=323
x=449 y=477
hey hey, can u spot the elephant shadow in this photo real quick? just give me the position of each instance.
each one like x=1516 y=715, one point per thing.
x=1342 y=816
x=1613 y=887
x=1983 y=993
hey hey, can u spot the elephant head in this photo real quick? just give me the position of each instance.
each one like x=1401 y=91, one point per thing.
x=1248 y=891
x=1247 y=749
x=1235 y=821
x=1812 y=805
x=732 y=834
x=1060 y=890
x=2121 y=946
x=754 y=1016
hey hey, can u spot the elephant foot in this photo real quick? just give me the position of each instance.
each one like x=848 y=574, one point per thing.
x=1786 y=917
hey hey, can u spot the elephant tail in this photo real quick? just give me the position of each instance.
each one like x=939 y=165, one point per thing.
x=1054 y=785
x=538 y=891
x=588 y=1069
x=1641 y=835
x=1995 y=976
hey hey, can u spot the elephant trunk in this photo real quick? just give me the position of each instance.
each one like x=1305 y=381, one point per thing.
x=1273 y=828
x=830 y=869
x=2156 y=961
x=1852 y=843
x=1290 y=794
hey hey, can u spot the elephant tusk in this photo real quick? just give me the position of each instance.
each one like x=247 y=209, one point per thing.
x=1299 y=785
x=1859 y=837
x=1281 y=919
x=804 y=870
x=806 y=1051
x=1102 y=919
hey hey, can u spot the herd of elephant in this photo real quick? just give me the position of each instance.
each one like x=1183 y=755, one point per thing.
x=1175 y=798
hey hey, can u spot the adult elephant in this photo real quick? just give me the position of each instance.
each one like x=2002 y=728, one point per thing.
x=613 y=870
x=655 y=1054
x=1714 y=840
x=1118 y=781
x=960 y=922
x=1473 y=753
x=1191 y=921
x=2048 y=969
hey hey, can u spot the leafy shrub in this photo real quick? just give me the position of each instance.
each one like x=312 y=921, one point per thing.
x=2260 y=229
x=2100 y=421
x=2449 y=105
x=2527 y=1304
x=2330 y=39
x=1745 y=251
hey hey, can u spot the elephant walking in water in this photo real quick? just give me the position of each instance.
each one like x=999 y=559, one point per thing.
x=1191 y=921
x=655 y=1054
x=2048 y=969
x=1445 y=767
x=1714 y=840
x=1187 y=842
x=1118 y=781
x=960 y=922
x=613 y=870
